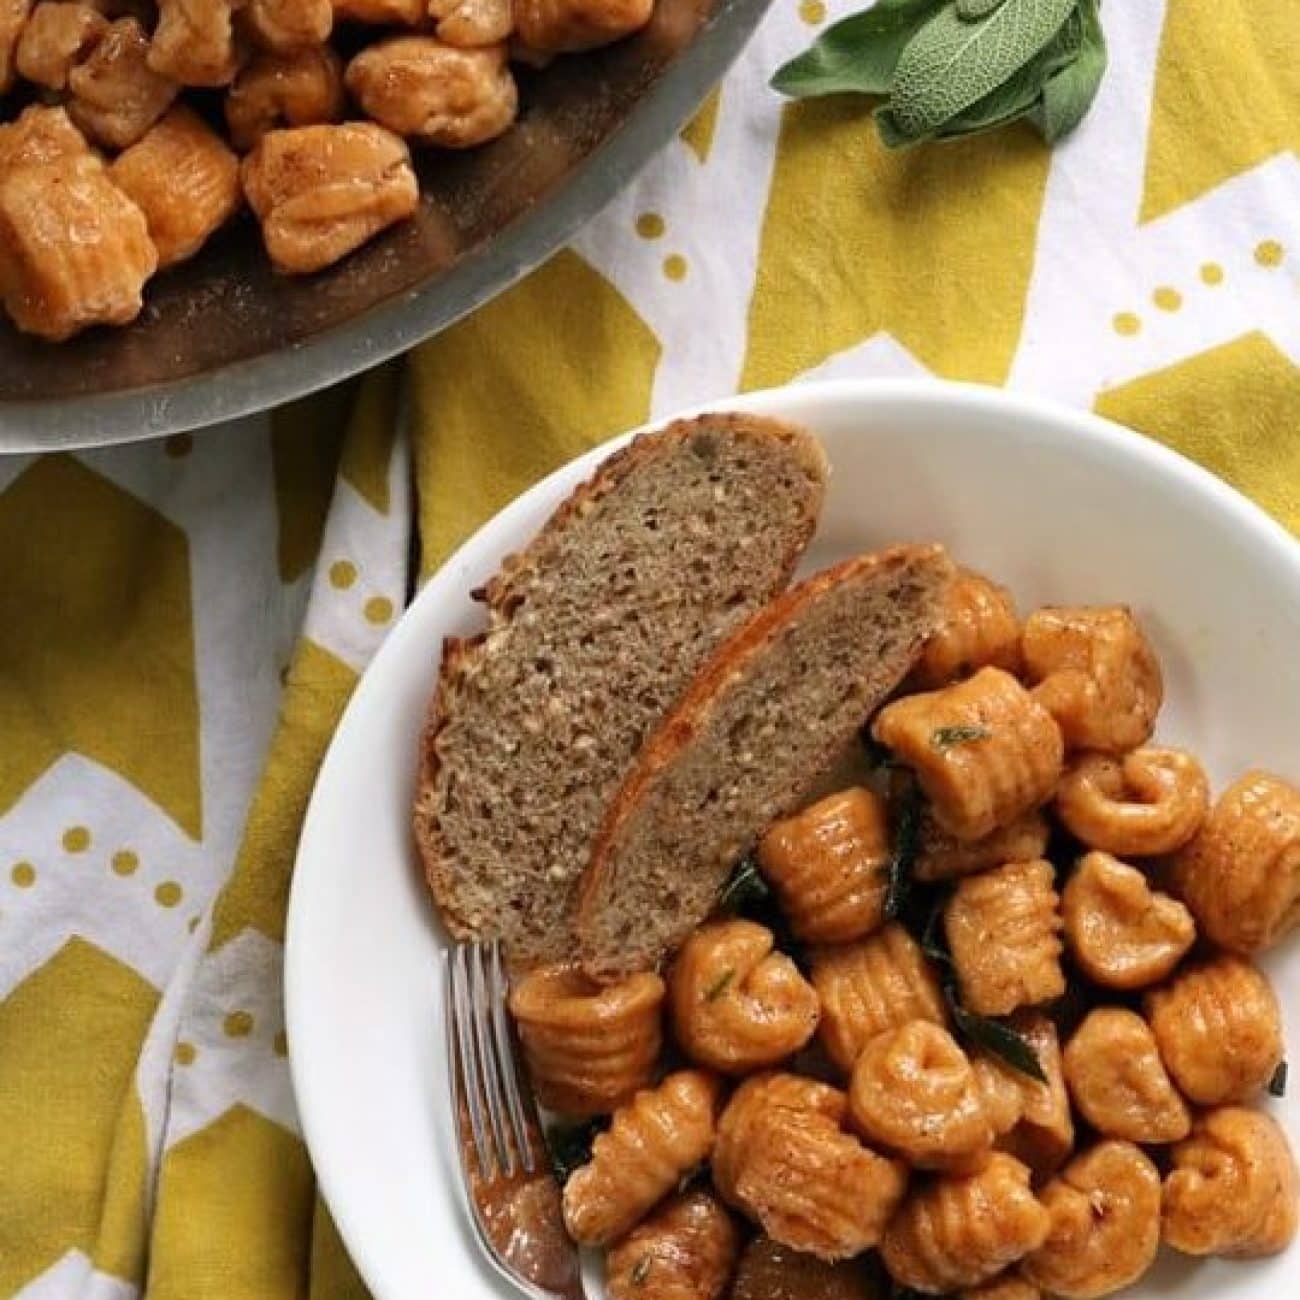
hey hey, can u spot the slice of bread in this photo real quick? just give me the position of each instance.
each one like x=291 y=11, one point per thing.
x=765 y=717
x=593 y=631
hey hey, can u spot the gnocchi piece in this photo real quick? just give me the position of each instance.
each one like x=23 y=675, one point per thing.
x=979 y=629
x=754 y=1097
x=435 y=93
x=1122 y=933
x=1150 y=801
x=588 y=1048
x=959 y=1231
x=770 y=1271
x=74 y=250
x=471 y=23
x=1095 y=673
x=286 y=25
x=1044 y=1135
x=796 y=1172
x=13 y=18
x=1232 y=1190
x=985 y=752
x=1003 y=930
x=1105 y=1223
x=185 y=181
x=565 y=26
x=40 y=134
x=382 y=13
x=736 y=1005
x=915 y=1092
x=828 y=864
x=1219 y=1029
x=1000 y=1093
x=1008 y=1286
x=870 y=986
x=1115 y=1075
x=1240 y=875
x=116 y=95
x=656 y=1138
x=194 y=42
x=941 y=856
x=58 y=35
x=685 y=1250
x=322 y=191
x=302 y=88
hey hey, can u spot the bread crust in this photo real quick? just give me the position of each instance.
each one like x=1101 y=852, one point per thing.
x=687 y=719
x=461 y=655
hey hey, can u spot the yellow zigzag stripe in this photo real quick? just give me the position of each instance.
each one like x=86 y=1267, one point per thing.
x=934 y=245
x=1235 y=409
x=97 y=655
x=74 y=1165
x=1227 y=96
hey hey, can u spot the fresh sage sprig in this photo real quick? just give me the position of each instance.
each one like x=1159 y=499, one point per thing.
x=950 y=68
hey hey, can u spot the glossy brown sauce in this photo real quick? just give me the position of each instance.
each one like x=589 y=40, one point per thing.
x=770 y=1271
x=521 y=1217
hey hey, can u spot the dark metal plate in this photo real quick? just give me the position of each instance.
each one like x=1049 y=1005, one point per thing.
x=222 y=336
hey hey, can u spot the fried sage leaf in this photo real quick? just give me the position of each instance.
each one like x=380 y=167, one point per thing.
x=999 y=1039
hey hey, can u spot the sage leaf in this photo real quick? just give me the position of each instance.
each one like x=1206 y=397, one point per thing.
x=1069 y=91
x=995 y=1037
x=934 y=943
x=1021 y=94
x=856 y=55
x=892 y=135
x=902 y=858
x=569 y=1146
x=745 y=887
x=971 y=10
x=946 y=738
x=950 y=64
x=1277 y=1084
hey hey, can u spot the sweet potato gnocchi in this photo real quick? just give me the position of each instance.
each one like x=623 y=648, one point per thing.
x=659 y=1136
x=867 y=987
x=684 y=1250
x=588 y=1048
x=827 y=866
x=1104 y=1214
x=1219 y=1029
x=914 y=1091
x=1003 y=930
x=1026 y=922
x=250 y=76
x=1118 y=1082
x=1232 y=1190
x=737 y=1006
x=1122 y=933
x=957 y=1232
x=985 y=752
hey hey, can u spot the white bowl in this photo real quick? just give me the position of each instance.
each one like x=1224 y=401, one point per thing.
x=1062 y=506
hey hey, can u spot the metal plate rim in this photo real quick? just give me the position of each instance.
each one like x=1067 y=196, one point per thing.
x=258 y=383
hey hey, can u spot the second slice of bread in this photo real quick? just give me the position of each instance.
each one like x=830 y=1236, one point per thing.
x=772 y=708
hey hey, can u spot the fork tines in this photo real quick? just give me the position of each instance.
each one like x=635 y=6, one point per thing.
x=485 y=1073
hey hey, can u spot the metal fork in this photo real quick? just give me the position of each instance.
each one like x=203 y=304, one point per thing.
x=499 y=1134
